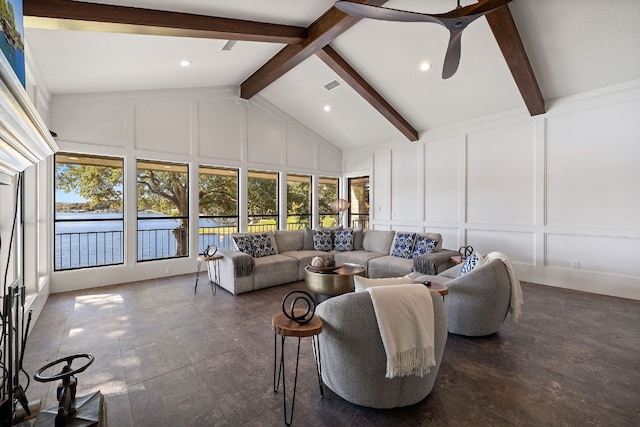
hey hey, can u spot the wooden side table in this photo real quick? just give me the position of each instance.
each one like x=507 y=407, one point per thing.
x=286 y=327
x=457 y=259
x=213 y=270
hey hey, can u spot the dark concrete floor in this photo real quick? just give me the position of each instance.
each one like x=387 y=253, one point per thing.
x=168 y=357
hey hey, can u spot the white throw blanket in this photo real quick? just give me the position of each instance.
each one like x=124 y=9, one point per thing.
x=405 y=320
x=515 y=303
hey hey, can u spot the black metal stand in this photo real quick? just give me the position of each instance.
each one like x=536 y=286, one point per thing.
x=281 y=373
x=213 y=270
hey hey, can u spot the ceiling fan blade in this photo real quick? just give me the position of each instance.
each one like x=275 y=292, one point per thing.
x=384 y=13
x=481 y=8
x=452 y=57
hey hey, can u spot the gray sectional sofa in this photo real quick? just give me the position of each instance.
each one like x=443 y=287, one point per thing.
x=293 y=250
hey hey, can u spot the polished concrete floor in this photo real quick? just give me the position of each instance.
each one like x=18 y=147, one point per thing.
x=165 y=356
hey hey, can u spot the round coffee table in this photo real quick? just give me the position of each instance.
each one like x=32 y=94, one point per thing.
x=338 y=282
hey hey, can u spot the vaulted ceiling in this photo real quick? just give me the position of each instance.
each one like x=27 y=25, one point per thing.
x=519 y=58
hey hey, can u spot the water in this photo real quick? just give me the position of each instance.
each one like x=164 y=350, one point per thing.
x=15 y=58
x=93 y=239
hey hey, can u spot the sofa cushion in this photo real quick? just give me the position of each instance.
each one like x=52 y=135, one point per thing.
x=343 y=240
x=307 y=242
x=242 y=242
x=357 y=239
x=273 y=270
x=289 y=240
x=433 y=236
x=355 y=257
x=363 y=283
x=403 y=245
x=322 y=240
x=262 y=245
x=424 y=245
x=389 y=266
x=378 y=240
x=470 y=263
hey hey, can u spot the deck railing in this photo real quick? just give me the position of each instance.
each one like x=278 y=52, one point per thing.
x=87 y=249
x=75 y=250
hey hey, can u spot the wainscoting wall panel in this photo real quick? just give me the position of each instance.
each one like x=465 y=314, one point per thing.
x=592 y=167
x=441 y=179
x=164 y=127
x=500 y=175
x=593 y=253
x=220 y=128
x=558 y=192
x=519 y=246
x=381 y=181
x=265 y=134
x=95 y=125
x=300 y=149
x=407 y=183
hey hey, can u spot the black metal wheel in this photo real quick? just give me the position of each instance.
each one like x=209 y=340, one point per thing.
x=64 y=373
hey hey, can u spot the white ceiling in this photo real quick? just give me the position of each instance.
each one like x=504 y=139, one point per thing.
x=574 y=46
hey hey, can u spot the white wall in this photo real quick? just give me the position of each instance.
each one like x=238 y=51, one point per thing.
x=558 y=193
x=211 y=126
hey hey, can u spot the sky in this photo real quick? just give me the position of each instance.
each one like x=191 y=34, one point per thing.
x=73 y=197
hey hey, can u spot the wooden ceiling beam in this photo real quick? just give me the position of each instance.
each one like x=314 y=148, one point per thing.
x=75 y=15
x=506 y=34
x=330 y=57
x=322 y=32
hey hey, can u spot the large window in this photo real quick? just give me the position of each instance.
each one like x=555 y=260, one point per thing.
x=218 y=206
x=359 y=199
x=163 y=210
x=88 y=224
x=262 y=201
x=298 y=201
x=327 y=193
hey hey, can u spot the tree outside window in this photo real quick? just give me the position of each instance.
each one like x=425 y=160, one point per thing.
x=298 y=201
x=218 y=197
x=262 y=201
x=163 y=210
x=359 y=199
x=327 y=193
x=89 y=222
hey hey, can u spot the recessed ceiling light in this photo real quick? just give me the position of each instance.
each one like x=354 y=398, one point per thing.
x=167 y=167
x=425 y=66
x=327 y=108
x=185 y=63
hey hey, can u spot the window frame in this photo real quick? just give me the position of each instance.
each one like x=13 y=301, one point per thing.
x=119 y=243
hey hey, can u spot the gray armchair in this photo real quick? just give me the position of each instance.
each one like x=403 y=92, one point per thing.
x=353 y=357
x=478 y=302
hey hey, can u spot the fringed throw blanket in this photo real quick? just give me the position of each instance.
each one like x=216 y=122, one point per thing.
x=515 y=304
x=242 y=263
x=424 y=265
x=433 y=261
x=405 y=319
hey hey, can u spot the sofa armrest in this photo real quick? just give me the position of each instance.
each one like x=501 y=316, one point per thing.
x=242 y=263
x=435 y=262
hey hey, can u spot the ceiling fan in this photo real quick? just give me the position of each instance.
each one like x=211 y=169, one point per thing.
x=455 y=21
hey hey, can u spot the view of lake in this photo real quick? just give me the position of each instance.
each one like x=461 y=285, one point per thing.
x=84 y=239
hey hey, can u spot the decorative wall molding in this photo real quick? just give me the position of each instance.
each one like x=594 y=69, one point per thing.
x=24 y=138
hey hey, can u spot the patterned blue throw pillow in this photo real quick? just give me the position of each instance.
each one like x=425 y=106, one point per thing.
x=403 y=245
x=243 y=243
x=470 y=263
x=423 y=246
x=343 y=240
x=322 y=240
x=262 y=245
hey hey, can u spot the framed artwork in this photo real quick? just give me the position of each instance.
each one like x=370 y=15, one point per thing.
x=12 y=39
